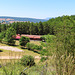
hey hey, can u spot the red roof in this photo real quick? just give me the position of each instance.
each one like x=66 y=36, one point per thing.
x=30 y=36
x=37 y=37
x=18 y=37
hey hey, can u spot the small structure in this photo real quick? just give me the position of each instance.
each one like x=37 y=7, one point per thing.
x=17 y=37
x=32 y=37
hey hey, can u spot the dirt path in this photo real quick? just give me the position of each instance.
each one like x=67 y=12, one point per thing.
x=17 y=57
x=11 y=48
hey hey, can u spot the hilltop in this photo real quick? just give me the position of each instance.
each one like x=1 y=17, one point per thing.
x=7 y=19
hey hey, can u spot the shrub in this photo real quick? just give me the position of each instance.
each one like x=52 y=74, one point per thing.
x=40 y=47
x=24 y=40
x=10 y=41
x=32 y=46
x=48 y=38
x=27 y=60
x=2 y=35
x=43 y=38
x=29 y=45
x=43 y=52
x=37 y=47
x=43 y=59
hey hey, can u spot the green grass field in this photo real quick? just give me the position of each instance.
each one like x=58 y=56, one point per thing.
x=26 y=51
x=11 y=65
x=19 y=54
x=31 y=41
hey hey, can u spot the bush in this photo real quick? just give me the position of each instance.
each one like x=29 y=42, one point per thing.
x=48 y=38
x=32 y=46
x=43 y=38
x=40 y=47
x=10 y=41
x=29 y=45
x=37 y=47
x=43 y=52
x=2 y=35
x=27 y=60
x=24 y=40
x=43 y=59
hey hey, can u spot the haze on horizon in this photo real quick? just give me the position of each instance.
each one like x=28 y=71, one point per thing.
x=37 y=8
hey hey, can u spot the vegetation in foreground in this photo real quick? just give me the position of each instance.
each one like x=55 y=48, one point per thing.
x=59 y=50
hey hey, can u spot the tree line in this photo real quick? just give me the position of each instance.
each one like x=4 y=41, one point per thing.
x=42 y=28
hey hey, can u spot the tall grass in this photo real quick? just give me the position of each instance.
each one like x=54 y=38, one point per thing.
x=10 y=66
x=59 y=63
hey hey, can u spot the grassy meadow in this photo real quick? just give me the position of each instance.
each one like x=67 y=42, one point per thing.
x=14 y=62
x=57 y=48
x=13 y=53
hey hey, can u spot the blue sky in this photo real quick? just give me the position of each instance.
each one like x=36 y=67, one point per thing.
x=37 y=8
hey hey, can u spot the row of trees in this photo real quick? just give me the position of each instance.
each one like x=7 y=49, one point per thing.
x=41 y=28
x=27 y=28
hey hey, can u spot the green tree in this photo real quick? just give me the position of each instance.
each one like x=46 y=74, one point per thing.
x=3 y=27
x=0 y=27
x=40 y=28
x=23 y=41
x=9 y=37
x=27 y=60
x=2 y=35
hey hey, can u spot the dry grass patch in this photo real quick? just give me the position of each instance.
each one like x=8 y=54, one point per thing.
x=31 y=41
x=35 y=42
x=13 y=53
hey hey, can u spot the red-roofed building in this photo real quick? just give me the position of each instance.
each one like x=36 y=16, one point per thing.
x=37 y=38
x=32 y=37
x=18 y=37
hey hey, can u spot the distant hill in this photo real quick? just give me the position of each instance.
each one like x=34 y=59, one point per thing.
x=19 y=19
x=49 y=18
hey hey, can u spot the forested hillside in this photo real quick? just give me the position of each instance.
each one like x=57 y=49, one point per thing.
x=49 y=27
